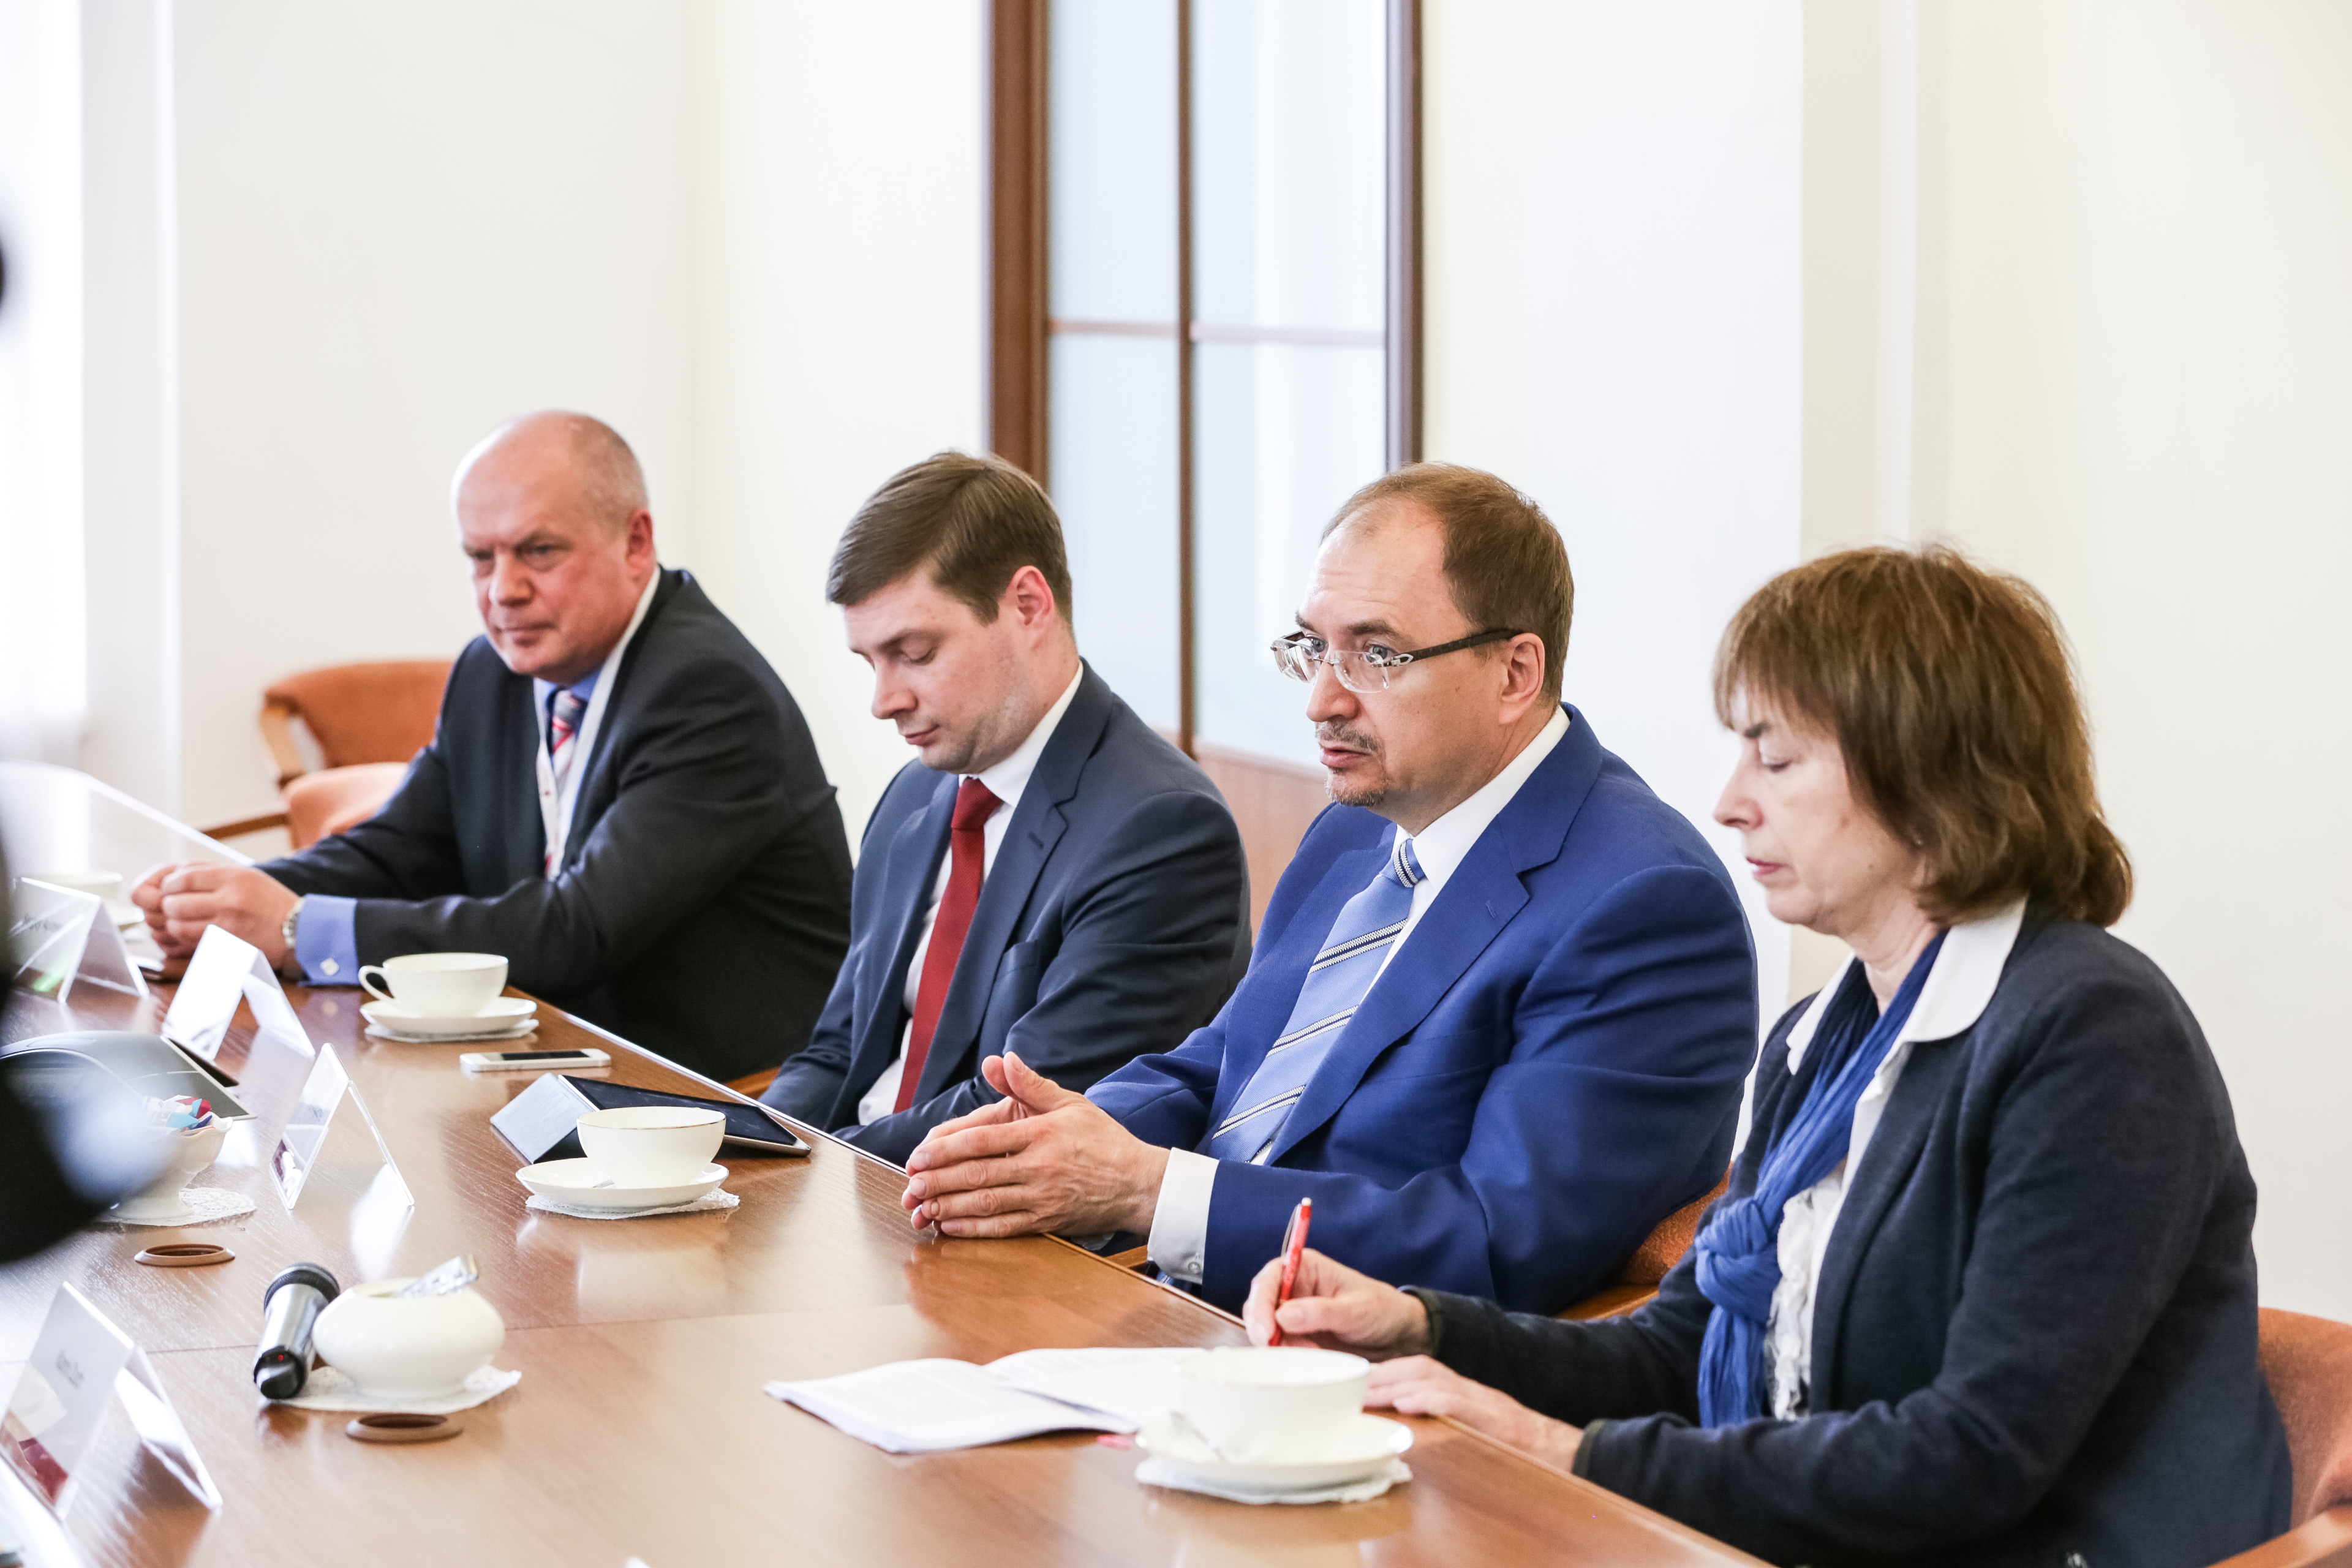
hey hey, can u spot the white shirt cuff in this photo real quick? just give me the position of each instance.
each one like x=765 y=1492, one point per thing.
x=1180 y=1226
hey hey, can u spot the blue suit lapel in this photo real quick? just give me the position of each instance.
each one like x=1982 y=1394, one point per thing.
x=1479 y=901
x=914 y=852
x=1037 y=824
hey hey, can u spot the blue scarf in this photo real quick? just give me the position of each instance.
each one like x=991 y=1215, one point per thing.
x=1739 y=1250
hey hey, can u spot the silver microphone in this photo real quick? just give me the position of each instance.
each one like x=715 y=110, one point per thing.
x=290 y=1310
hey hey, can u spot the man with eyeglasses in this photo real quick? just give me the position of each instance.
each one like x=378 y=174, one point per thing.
x=1503 y=999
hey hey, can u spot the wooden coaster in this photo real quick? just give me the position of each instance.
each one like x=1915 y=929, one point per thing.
x=184 y=1255
x=403 y=1426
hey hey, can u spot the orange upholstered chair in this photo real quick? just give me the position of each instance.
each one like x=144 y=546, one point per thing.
x=1638 y=1280
x=369 y=720
x=2309 y=1363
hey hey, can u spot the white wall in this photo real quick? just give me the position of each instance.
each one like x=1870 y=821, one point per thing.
x=399 y=224
x=748 y=235
x=2060 y=279
x=1613 y=298
x=42 y=695
x=2146 y=215
x=840 y=274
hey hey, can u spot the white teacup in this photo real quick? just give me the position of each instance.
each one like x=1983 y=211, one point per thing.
x=651 y=1145
x=1279 y=1404
x=438 y=984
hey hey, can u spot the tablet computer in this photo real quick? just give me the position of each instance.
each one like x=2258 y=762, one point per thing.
x=539 y=1123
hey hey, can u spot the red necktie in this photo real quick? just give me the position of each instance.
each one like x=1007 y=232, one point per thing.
x=966 y=855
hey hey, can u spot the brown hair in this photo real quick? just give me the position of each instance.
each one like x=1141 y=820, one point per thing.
x=974 y=522
x=1952 y=694
x=1505 y=563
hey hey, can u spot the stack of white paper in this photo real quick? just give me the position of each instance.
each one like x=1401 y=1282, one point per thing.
x=923 y=1407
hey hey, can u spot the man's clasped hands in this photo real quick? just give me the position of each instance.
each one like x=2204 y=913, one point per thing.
x=1047 y=1158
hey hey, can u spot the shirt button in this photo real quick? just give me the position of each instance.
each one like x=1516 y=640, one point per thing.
x=329 y=966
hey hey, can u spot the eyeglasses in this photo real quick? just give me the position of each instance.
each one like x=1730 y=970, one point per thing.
x=1374 y=669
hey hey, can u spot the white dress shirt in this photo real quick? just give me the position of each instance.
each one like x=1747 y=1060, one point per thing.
x=1005 y=781
x=1959 y=988
x=1179 y=1225
x=557 y=797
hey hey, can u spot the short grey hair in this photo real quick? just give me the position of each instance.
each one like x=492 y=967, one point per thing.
x=608 y=471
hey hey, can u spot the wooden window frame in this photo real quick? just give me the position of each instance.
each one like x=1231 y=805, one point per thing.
x=1020 y=236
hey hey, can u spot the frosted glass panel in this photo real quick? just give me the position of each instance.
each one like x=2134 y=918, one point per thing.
x=1114 y=413
x=1285 y=434
x=1290 y=212
x=1289 y=204
x=1113 y=161
x=1290 y=163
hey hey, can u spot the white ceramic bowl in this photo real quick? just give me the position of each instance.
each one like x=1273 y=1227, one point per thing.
x=407 y=1350
x=1277 y=1404
x=651 y=1145
x=189 y=1152
x=438 y=984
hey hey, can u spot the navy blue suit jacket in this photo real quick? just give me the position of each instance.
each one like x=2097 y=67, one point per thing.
x=1114 y=920
x=1548 y=1066
x=2035 y=1335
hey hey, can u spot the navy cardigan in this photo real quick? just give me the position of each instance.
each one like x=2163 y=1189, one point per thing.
x=2035 y=1335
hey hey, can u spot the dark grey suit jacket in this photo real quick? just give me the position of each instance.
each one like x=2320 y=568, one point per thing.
x=2034 y=1334
x=702 y=905
x=1114 y=922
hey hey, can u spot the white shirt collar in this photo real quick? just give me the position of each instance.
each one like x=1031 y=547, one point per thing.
x=1008 y=778
x=1441 y=846
x=1959 y=989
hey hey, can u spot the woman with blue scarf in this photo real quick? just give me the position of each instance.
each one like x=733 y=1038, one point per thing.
x=1982 y=1288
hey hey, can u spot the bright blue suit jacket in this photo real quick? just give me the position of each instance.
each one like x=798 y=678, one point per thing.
x=1114 y=920
x=1548 y=1066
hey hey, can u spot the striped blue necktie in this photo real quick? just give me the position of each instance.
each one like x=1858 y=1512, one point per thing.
x=1337 y=982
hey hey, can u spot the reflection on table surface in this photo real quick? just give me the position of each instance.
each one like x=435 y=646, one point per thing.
x=639 y=1427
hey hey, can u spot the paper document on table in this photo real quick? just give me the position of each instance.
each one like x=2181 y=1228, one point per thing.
x=924 y=1406
x=1138 y=1385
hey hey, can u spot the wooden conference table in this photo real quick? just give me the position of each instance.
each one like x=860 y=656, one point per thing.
x=639 y=1429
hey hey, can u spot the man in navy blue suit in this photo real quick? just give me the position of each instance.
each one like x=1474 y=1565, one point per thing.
x=1051 y=877
x=1503 y=999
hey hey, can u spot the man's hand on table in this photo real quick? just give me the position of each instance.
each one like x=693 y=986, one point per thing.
x=179 y=900
x=1042 y=1159
x=1333 y=1307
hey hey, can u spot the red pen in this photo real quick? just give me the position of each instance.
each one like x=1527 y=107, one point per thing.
x=1294 y=1243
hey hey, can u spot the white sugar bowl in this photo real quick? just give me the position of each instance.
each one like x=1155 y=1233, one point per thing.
x=422 y=1347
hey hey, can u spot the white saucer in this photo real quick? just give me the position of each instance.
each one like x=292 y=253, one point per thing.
x=522 y=1031
x=571 y=1181
x=1359 y=1451
x=504 y=1017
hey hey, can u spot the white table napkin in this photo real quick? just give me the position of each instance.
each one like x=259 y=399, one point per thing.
x=717 y=1198
x=330 y=1388
x=212 y=1205
x=1159 y=1473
